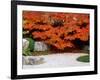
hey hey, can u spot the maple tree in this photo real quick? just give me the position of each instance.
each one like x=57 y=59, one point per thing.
x=56 y=28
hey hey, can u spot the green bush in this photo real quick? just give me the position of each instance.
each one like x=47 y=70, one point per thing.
x=85 y=58
x=31 y=44
x=30 y=49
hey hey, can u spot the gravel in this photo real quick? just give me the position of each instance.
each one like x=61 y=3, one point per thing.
x=58 y=60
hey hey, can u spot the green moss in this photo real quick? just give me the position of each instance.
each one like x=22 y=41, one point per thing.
x=85 y=58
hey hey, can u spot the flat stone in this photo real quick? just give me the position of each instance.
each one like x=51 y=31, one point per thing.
x=32 y=60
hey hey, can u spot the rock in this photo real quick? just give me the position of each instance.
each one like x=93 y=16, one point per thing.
x=40 y=46
x=25 y=44
x=24 y=60
x=31 y=60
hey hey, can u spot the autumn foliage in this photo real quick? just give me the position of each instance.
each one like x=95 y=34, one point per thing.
x=57 y=29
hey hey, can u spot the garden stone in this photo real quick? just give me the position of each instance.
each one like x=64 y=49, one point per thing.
x=25 y=44
x=40 y=46
x=31 y=60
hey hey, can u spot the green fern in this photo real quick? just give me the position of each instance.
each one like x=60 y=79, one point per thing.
x=26 y=52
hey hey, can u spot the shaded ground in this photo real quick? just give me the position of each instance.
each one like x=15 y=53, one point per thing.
x=59 y=60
